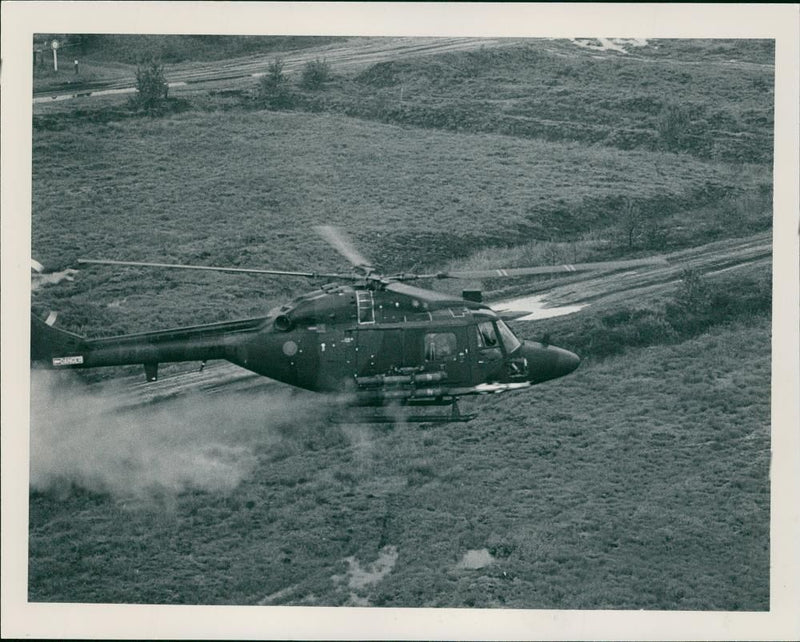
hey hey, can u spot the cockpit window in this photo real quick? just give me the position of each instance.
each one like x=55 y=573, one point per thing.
x=510 y=342
x=487 y=337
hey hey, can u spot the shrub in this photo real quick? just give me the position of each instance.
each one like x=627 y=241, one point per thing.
x=693 y=294
x=151 y=87
x=673 y=124
x=690 y=311
x=273 y=88
x=631 y=221
x=698 y=306
x=382 y=74
x=87 y=42
x=315 y=74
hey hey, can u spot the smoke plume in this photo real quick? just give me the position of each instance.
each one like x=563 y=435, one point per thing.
x=85 y=436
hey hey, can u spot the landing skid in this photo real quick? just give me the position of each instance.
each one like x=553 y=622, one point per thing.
x=398 y=417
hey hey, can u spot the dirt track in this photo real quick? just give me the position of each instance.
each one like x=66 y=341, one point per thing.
x=347 y=56
x=710 y=260
x=344 y=56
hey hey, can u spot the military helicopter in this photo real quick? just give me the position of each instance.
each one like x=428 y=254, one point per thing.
x=376 y=340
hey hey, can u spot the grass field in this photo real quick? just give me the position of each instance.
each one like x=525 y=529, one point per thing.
x=641 y=481
x=226 y=190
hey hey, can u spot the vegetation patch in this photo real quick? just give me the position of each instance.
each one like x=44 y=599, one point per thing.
x=544 y=90
x=697 y=103
x=696 y=305
x=315 y=74
x=273 y=90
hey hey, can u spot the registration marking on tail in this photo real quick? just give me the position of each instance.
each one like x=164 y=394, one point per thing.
x=68 y=361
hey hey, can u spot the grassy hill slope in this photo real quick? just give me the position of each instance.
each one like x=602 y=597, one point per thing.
x=657 y=97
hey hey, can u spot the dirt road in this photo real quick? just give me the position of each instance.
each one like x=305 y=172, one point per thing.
x=347 y=56
x=709 y=260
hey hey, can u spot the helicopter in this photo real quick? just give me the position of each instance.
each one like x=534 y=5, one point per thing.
x=375 y=339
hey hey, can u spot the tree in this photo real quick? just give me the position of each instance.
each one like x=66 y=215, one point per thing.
x=151 y=87
x=631 y=221
x=273 y=88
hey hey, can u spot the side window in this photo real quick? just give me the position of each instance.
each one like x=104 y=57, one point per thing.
x=439 y=345
x=487 y=337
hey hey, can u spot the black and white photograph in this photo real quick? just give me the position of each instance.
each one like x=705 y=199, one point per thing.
x=475 y=322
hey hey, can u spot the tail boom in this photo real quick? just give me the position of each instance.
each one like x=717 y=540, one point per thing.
x=56 y=348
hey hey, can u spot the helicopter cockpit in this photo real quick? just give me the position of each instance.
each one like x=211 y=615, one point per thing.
x=489 y=337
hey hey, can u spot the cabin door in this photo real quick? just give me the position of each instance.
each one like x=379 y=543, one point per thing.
x=447 y=349
x=379 y=351
x=337 y=359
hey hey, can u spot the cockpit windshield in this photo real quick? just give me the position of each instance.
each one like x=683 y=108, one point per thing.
x=487 y=337
x=510 y=342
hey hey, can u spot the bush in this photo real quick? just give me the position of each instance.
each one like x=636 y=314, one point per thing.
x=273 y=88
x=694 y=294
x=632 y=221
x=151 y=87
x=315 y=74
x=382 y=74
x=697 y=306
x=672 y=124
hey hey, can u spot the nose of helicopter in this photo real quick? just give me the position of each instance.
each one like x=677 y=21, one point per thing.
x=548 y=362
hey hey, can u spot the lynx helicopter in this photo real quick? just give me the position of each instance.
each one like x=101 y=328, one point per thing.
x=375 y=339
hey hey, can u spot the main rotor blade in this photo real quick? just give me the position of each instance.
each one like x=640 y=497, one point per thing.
x=343 y=245
x=542 y=269
x=175 y=266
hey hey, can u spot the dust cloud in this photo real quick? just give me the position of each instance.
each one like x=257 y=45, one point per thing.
x=82 y=436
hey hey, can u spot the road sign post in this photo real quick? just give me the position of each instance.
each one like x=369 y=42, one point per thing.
x=54 y=45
